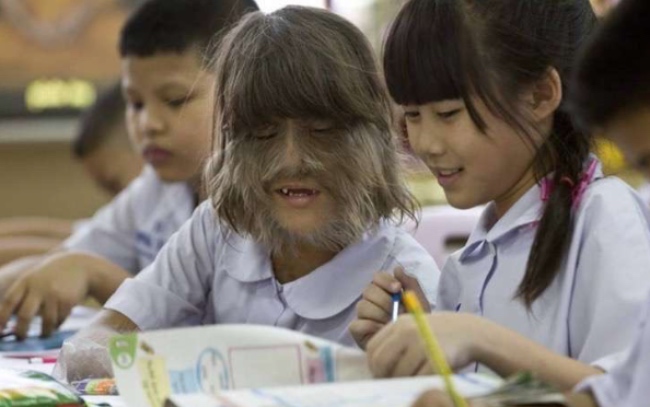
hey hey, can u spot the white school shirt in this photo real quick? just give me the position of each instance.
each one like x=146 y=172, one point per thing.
x=133 y=227
x=207 y=274
x=591 y=309
x=644 y=192
x=627 y=384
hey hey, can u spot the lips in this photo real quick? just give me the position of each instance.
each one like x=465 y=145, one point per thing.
x=297 y=196
x=449 y=173
x=156 y=155
x=448 y=176
x=297 y=192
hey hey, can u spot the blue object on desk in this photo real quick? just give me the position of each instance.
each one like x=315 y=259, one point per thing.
x=35 y=343
x=397 y=299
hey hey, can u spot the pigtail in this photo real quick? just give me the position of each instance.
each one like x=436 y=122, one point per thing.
x=565 y=154
x=492 y=51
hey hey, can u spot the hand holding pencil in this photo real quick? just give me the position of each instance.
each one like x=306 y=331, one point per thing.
x=397 y=350
x=434 y=351
x=377 y=306
x=437 y=398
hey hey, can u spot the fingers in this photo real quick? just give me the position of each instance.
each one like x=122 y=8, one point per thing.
x=10 y=302
x=396 y=350
x=433 y=398
x=384 y=358
x=412 y=361
x=425 y=369
x=65 y=308
x=49 y=316
x=387 y=282
x=385 y=349
x=28 y=309
x=412 y=284
x=379 y=296
x=362 y=330
x=375 y=305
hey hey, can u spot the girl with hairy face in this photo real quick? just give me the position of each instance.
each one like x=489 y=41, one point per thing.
x=303 y=185
x=306 y=156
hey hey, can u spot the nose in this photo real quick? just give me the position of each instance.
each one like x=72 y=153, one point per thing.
x=151 y=122
x=426 y=138
x=291 y=135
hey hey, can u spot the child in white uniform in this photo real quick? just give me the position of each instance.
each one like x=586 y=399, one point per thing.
x=167 y=84
x=304 y=186
x=557 y=269
x=621 y=113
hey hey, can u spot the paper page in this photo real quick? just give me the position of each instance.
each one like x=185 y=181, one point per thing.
x=150 y=366
x=112 y=401
x=378 y=393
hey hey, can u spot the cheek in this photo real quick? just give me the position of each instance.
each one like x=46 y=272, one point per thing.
x=413 y=137
x=132 y=128
x=195 y=121
x=196 y=138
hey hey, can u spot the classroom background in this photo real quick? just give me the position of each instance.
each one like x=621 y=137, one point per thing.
x=57 y=55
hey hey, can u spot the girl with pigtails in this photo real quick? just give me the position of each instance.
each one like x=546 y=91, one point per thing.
x=553 y=278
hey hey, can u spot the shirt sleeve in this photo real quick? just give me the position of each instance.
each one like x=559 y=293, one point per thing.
x=111 y=231
x=628 y=380
x=174 y=289
x=612 y=276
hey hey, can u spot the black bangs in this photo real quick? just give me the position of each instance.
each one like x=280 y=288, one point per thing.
x=287 y=74
x=424 y=53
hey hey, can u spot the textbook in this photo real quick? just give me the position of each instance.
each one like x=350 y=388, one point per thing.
x=376 y=393
x=521 y=389
x=265 y=366
x=151 y=366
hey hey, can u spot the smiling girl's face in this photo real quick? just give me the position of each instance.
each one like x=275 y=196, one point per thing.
x=472 y=167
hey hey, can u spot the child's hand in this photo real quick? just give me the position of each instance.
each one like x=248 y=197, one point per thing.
x=434 y=398
x=10 y=272
x=50 y=290
x=376 y=305
x=437 y=398
x=398 y=349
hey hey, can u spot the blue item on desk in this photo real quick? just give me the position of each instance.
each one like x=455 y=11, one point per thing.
x=35 y=343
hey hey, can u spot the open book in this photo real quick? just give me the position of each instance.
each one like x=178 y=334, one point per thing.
x=264 y=366
x=377 y=393
x=150 y=366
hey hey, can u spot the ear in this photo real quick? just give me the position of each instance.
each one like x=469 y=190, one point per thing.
x=544 y=97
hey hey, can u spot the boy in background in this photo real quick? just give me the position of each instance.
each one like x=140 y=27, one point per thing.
x=168 y=87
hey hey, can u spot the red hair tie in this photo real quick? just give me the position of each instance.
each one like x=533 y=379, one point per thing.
x=567 y=181
x=577 y=191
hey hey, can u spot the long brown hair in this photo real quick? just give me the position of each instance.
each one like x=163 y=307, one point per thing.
x=304 y=64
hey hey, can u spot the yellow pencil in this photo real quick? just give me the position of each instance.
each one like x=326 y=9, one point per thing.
x=436 y=356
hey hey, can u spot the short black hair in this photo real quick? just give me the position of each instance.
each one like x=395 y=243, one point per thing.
x=613 y=72
x=160 y=26
x=98 y=122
